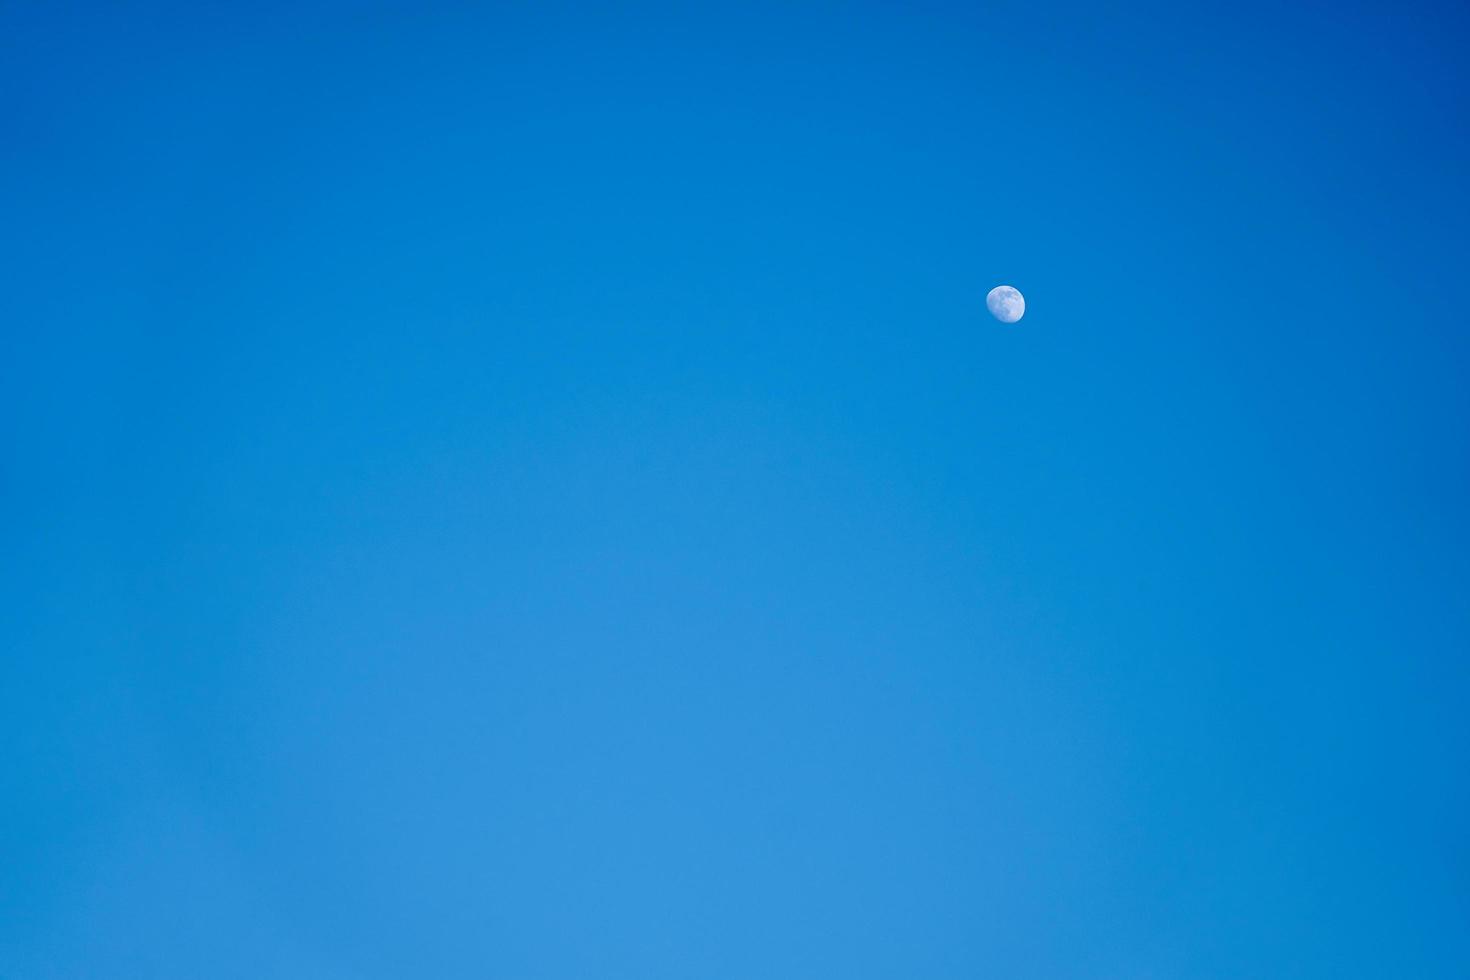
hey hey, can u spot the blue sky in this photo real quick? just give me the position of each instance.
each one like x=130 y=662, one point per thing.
x=533 y=491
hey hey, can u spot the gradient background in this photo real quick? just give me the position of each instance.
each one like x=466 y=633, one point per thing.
x=533 y=492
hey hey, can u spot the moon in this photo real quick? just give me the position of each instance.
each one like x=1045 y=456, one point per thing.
x=1006 y=304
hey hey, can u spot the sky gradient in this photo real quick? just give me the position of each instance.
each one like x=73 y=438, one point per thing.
x=533 y=491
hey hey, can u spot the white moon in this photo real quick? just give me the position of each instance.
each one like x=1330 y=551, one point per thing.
x=1006 y=304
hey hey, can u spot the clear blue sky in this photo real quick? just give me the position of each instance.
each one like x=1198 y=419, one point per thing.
x=533 y=491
